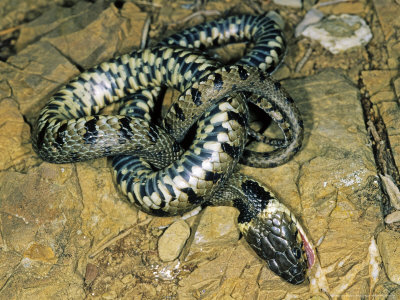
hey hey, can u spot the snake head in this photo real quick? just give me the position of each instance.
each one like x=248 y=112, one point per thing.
x=277 y=237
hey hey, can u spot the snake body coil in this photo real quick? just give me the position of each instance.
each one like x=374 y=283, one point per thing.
x=70 y=129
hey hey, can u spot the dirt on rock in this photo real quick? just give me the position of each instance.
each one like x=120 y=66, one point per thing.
x=65 y=230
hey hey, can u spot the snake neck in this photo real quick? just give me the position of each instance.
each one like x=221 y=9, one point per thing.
x=269 y=227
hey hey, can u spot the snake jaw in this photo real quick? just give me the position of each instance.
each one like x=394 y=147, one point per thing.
x=307 y=247
x=277 y=237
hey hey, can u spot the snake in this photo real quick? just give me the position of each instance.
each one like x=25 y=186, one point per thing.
x=153 y=166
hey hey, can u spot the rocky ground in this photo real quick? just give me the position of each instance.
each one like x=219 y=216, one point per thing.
x=65 y=231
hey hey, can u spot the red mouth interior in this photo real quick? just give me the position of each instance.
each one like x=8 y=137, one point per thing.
x=309 y=252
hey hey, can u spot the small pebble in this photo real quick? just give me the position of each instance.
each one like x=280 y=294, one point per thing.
x=291 y=3
x=392 y=190
x=172 y=240
x=394 y=217
x=91 y=273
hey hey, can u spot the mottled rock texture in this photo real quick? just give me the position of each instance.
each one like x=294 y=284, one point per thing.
x=389 y=247
x=66 y=232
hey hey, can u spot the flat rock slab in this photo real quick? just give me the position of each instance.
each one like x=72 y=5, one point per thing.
x=57 y=221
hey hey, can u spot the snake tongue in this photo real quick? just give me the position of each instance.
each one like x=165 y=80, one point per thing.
x=309 y=252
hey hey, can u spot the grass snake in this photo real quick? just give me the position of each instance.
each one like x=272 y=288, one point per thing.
x=152 y=165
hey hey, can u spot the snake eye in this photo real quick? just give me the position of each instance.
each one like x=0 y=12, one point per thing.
x=296 y=252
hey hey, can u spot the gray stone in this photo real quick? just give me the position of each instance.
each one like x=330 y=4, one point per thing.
x=312 y=16
x=340 y=33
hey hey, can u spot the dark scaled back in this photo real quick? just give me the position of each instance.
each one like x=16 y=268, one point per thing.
x=273 y=239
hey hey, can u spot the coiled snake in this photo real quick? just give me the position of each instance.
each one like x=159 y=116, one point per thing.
x=165 y=178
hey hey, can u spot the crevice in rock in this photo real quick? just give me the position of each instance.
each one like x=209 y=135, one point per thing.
x=70 y=60
x=381 y=148
x=119 y=4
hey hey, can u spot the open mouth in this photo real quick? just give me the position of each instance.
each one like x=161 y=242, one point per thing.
x=309 y=251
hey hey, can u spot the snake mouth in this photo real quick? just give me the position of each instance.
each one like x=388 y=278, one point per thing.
x=307 y=246
x=301 y=236
x=308 y=250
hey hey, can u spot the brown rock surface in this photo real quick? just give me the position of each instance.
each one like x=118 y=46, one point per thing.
x=216 y=225
x=67 y=29
x=379 y=85
x=388 y=12
x=389 y=247
x=32 y=75
x=39 y=221
x=15 y=148
x=14 y=12
x=172 y=240
x=65 y=233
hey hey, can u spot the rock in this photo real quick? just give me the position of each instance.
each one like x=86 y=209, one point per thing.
x=236 y=271
x=393 y=217
x=213 y=230
x=217 y=225
x=375 y=262
x=172 y=241
x=17 y=12
x=385 y=289
x=343 y=7
x=388 y=13
x=340 y=33
x=377 y=83
x=396 y=84
x=392 y=190
x=110 y=295
x=33 y=75
x=389 y=247
x=106 y=212
x=388 y=16
x=312 y=16
x=41 y=68
x=394 y=295
x=381 y=92
x=290 y=3
x=91 y=273
x=333 y=180
x=39 y=225
x=390 y=113
x=15 y=148
x=40 y=253
x=66 y=30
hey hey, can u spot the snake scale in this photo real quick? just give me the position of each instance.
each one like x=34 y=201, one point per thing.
x=152 y=165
